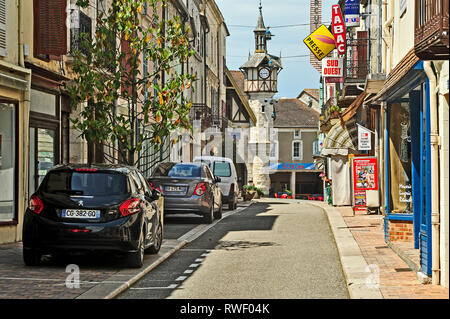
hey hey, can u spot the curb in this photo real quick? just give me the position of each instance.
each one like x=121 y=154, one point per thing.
x=98 y=292
x=355 y=268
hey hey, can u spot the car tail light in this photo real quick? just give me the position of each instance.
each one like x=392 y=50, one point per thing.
x=36 y=204
x=231 y=188
x=200 y=189
x=86 y=169
x=129 y=207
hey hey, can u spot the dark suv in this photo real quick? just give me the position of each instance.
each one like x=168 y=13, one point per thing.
x=93 y=207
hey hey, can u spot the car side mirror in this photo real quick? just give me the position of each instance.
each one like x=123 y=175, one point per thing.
x=217 y=179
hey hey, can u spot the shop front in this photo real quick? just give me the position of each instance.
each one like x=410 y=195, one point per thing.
x=407 y=166
x=14 y=85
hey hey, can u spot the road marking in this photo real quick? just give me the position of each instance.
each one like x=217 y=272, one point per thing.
x=188 y=271
x=172 y=286
x=199 y=260
x=193 y=265
x=199 y=230
x=205 y=254
x=181 y=278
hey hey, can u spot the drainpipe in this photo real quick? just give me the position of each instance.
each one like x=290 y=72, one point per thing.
x=434 y=141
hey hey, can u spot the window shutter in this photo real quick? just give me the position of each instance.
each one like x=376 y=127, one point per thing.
x=50 y=31
x=3 y=32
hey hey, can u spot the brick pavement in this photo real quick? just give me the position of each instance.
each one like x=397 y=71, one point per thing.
x=397 y=279
x=49 y=280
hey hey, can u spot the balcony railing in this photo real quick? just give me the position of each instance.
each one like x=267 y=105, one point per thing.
x=356 y=64
x=202 y=112
x=431 y=29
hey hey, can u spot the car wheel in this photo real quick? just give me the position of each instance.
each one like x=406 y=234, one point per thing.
x=154 y=249
x=136 y=259
x=218 y=215
x=32 y=256
x=208 y=218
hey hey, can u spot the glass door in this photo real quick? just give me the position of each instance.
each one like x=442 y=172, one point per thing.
x=42 y=155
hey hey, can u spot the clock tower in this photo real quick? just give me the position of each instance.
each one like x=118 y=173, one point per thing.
x=260 y=85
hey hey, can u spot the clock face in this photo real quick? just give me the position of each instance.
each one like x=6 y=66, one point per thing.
x=264 y=73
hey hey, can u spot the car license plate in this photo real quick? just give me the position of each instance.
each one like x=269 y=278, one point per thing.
x=81 y=213
x=174 y=189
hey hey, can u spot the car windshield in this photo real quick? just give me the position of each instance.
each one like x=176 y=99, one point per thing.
x=178 y=170
x=222 y=169
x=86 y=183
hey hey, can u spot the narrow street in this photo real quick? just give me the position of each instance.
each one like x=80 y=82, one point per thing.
x=273 y=249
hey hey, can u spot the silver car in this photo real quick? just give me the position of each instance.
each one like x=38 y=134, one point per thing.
x=188 y=188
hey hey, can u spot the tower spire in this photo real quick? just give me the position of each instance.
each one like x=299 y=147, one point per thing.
x=260 y=33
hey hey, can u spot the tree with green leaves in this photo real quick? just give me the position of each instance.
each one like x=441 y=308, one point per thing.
x=126 y=80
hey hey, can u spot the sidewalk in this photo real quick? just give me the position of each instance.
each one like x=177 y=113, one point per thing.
x=397 y=263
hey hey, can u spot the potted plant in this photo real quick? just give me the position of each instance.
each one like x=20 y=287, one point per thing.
x=252 y=192
x=335 y=110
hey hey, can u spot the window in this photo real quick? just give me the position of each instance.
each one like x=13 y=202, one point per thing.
x=274 y=150
x=222 y=169
x=7 y=162
x=49 y=28
x=177 y=170
x=85 y=183
x=84 y=26
x=297 y=134
x=297 y=150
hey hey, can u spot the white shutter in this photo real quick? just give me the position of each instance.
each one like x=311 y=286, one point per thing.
x=3 y=38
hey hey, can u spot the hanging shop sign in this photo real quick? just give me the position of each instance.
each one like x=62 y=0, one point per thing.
x=332 y=67
x=364 y=139
x=352 y=14
x=338 y=27
x=320 y=42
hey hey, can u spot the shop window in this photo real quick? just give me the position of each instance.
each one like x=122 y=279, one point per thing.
x=400 y=159
x=7 y=162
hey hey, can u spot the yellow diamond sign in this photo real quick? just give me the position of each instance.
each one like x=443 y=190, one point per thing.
x=320 y=42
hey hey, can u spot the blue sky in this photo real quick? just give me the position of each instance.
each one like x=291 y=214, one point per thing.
x=297 y=73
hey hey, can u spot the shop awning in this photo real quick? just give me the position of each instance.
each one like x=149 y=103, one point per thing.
x=353 y=108
x=398 y=78
x=337 y=141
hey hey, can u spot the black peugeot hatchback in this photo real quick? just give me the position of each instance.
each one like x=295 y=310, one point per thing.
x=93 y=208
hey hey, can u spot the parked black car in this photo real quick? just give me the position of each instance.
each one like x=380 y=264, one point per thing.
x=189 y=188
x=93 y=208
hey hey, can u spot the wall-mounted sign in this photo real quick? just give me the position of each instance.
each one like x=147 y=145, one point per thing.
x=293 y=166
x=338 y=27
x=352 y=13
x=332 y=67
x=320 y=42
x=364 y=139
x=334 y=80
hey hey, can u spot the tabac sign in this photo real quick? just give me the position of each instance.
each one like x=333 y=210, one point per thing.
x=338 y=26
x=320 y=42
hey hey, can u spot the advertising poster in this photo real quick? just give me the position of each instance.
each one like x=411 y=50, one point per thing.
x=360 y=201
x=365 y=173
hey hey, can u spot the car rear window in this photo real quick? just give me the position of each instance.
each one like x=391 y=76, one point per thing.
x=178 y=170
x=86 y=183
x=222 y=169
